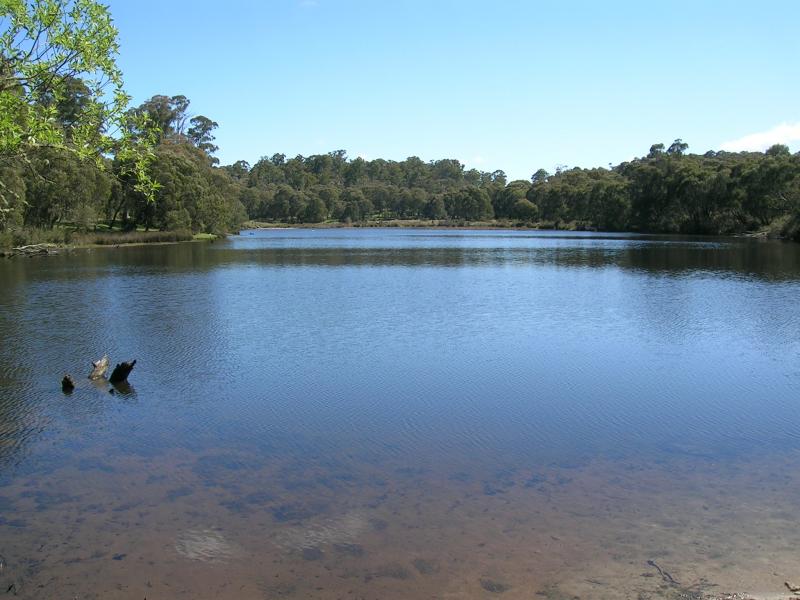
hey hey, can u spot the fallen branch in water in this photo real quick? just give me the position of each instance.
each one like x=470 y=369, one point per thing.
x=34 y=249
x=664 y=575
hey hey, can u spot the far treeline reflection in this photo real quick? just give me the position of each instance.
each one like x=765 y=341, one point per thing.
x=666 y=191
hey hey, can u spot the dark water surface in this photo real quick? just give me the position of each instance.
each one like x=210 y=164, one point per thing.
x=404 y=414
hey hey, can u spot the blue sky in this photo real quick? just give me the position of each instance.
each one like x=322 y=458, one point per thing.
x=509 y=85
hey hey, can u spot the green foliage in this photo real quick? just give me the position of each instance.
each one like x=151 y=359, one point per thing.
x=435 y=209
x=674 y=192
x=468 y=203
x=200 y=134
x=355 y=206
x=65 y=125
x=315 y=211
x=60 y=186
x=191 y=193
x=62 y=103
x=506 y=199
x=12 y=194
x=166 y=118
x=525 y=210
x=23 y=236
x=178 y=219
x=609 y=203
x=666 y=191
x=60 y=89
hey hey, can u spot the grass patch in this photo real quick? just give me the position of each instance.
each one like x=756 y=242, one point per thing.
x=112 y=238
x=66 y=235
x=28 y=236
x=264 y=225
x=204 y=237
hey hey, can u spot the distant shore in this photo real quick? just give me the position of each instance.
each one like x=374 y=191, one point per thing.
x=776 y=231
x=418 y=224
x=43 y=242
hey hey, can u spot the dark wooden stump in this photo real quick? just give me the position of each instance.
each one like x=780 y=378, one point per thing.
x=121 y=372
x=67 y=384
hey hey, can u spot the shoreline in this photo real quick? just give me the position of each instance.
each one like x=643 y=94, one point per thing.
x=764 y=234
x=407 y=224
x=51 y=249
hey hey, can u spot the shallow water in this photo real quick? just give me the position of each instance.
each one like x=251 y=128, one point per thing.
x=404 y=413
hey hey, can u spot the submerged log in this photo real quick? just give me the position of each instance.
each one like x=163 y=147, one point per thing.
x=121 y=372
x=67 y=384
x=100 y=367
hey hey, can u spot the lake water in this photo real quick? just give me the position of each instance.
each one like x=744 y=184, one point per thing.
x=387 y=413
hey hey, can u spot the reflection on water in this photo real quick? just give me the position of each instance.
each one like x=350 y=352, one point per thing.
x=394 y=414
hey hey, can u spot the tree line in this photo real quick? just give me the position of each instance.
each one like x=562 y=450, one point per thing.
x=72 y=152
x=668 y=190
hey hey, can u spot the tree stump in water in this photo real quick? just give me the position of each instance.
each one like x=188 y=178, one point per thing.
x=121 y=372
x=100 y=367
x=67 y=384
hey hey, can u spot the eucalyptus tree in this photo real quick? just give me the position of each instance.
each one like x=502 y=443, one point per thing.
x=200 y=135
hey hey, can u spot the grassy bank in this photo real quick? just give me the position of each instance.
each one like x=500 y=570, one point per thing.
x=131 y=237
x=69 y=237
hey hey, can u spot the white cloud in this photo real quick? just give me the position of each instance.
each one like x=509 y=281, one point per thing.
x=785 y=133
